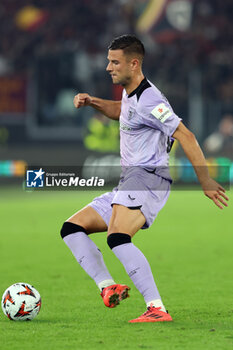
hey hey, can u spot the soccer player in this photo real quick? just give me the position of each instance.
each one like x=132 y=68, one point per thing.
x=148 y=126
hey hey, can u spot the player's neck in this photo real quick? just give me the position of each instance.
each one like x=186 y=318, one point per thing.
x=134 y=83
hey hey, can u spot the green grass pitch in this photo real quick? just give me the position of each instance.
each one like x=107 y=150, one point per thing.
x=189 y=248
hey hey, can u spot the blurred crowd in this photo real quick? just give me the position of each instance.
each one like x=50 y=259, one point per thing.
x=86 y=27
x=66 y=26
x=91 y=24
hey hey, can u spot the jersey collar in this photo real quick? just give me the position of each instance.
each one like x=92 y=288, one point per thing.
x=139 y=90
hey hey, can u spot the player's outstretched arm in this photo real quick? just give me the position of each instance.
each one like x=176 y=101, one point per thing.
x=109 y=108
x=194 y=153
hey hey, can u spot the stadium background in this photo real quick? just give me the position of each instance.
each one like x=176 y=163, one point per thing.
x=50 y=51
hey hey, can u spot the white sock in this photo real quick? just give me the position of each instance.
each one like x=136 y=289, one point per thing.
x=156 y=303
x=105 y=284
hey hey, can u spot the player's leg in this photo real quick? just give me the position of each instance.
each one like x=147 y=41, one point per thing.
x=89 y=219
x=126 y=220
x=123 y=225
x=75 y=234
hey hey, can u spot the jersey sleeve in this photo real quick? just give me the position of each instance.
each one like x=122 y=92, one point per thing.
x=158 y=114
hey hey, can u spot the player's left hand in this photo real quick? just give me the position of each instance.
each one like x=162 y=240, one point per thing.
x=215 y=192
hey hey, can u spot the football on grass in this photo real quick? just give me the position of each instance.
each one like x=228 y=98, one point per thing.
x=21 y=302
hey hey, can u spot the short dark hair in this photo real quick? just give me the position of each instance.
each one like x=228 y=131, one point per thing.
x=130 y=44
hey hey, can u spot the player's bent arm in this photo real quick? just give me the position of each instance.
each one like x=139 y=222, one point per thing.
x=109 y=108
x=194 y=153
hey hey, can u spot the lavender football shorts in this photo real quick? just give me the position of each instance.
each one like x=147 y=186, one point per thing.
x=137 y=188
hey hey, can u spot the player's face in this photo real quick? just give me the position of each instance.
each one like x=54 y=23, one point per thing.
x=119 y=67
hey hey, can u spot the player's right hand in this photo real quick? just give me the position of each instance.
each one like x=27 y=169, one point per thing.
x=82 y=100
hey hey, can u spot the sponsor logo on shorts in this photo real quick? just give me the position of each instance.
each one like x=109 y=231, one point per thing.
x=132 y=199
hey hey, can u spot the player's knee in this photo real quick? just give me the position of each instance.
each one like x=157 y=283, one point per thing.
x=115 y=239
x=69 y=228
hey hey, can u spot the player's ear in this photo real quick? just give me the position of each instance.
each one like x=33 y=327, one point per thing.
x=135 y=63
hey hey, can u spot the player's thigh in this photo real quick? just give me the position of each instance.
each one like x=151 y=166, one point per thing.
x=89 y=219
x=125 y=220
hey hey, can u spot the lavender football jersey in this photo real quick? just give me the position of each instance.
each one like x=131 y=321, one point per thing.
x=147 y=122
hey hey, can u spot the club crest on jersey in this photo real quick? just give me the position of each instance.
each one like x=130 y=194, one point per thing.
x=131 y=112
